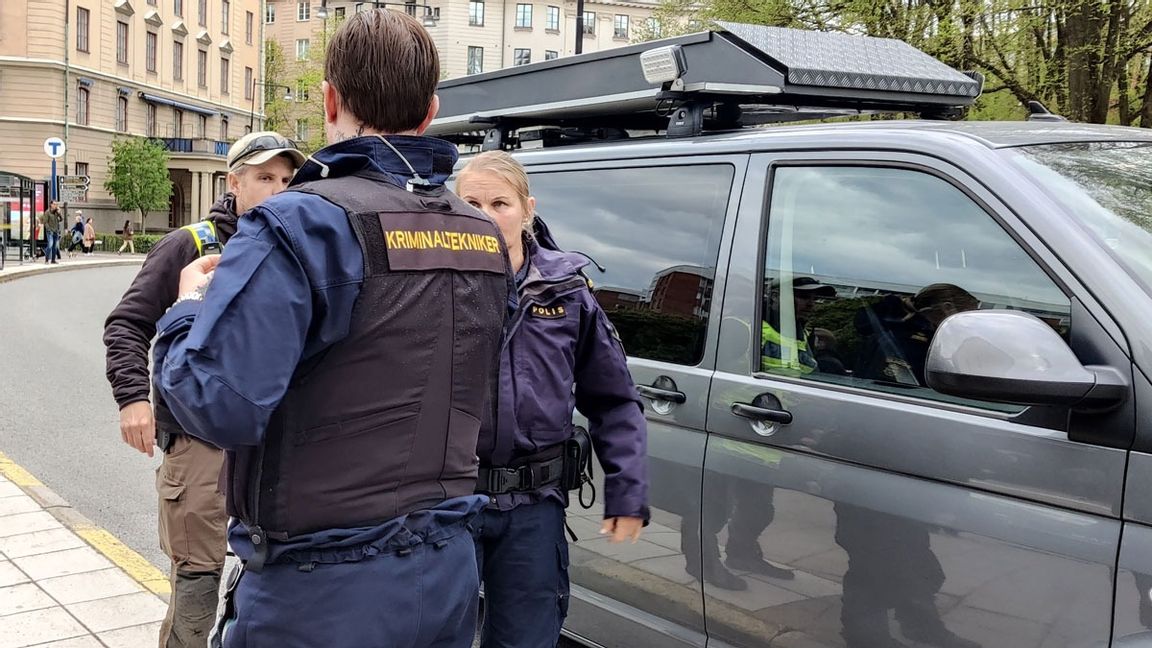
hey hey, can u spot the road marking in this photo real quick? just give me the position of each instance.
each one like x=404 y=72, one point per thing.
x=16 y=474
x=113 y=549
x=125 y=558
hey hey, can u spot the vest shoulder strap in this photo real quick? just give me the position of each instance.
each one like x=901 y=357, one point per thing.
x=204 y=235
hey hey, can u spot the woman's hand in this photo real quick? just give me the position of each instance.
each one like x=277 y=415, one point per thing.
x=622 y=528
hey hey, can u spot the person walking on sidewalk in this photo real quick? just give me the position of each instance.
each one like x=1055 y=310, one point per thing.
x=51 y=221
x=127 y=234
x=89 y=236
x=77 y=235
x=192 y=518
x=344 y=353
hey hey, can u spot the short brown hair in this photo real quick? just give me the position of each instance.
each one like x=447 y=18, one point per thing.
x=385 y=67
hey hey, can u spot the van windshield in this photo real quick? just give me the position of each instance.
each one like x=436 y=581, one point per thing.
x=1107 y=187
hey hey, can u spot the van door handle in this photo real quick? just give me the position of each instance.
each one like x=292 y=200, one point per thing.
x=745 y=410
x=655 y=393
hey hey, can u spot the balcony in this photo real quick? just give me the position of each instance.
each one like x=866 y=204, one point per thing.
x=195 y=145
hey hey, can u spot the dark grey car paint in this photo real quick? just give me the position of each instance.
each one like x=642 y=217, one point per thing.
x=1024 y=522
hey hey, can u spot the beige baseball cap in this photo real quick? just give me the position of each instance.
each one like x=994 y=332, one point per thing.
x=257 y=148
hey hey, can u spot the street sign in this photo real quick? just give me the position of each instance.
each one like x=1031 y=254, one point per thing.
x=54 y=147
x=71 y=193
x=81 y=181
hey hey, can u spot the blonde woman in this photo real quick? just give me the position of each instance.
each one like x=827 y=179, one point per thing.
x=560 y=353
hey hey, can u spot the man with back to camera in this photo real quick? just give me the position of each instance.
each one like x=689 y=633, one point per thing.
x=192 y=521
x=344 y=353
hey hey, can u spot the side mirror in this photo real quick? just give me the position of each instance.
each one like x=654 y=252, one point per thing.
x=1013 y=357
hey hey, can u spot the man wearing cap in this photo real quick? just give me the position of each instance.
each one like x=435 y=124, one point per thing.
x=192 y=517
x=786 y=346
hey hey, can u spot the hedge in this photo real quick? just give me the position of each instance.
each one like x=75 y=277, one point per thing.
x=142 y=242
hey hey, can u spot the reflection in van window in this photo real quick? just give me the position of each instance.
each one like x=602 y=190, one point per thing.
x=863 y=264
x=656 y=231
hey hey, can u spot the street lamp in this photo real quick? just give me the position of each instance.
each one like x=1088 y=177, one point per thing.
x=428 y=19
x=255 y=83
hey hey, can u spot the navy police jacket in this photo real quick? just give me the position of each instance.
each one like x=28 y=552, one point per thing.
x=560 y=353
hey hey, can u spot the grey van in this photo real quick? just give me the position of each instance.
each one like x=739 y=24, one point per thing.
x=895 y=372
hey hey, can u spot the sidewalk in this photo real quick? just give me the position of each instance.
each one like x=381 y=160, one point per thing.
x=65 y=583
x=13 y=269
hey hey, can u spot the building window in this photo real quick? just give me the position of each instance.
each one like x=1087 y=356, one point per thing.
x=225 y=76
x=202 y=13
x=150 y=51
x=225 y=16
x=303 y=11
x=81 y=169
x=301 y=90
x=178 y=123
x=177 y=61
x=269 y=13
x=620 y=26
x=302 y=130
x=178 y=8
x=248 y=89
x=202 y=68
x=122 y=114
x=152 y=3
x=590 y=23
x=82 y=106
x=301 y=49
x=524 y=16
x=223 y=129
x=203 y=132
x=551 y=54
x=340 y=13
x=476 y=13
x=151 y=125
x=553 y=21
x=121 y=42
x=475 y=60
x=248 y=20
x=521 y=56
x=655 y=30
x=82 y=17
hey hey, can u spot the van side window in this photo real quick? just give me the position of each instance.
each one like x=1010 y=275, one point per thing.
x=864 y=263
x=656 y=231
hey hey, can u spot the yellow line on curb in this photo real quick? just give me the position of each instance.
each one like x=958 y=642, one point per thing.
x=15 y=473
x=125 y=558
x=119 y=553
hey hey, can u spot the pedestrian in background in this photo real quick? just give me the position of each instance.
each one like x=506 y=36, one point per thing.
x=192 y=520
x=344 y=353
x=89 y=236
x=77 y=235
x=561 y=353
x=51 y=222
x=126 y=233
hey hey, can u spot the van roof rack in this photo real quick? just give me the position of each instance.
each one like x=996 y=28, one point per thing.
x=736 y=75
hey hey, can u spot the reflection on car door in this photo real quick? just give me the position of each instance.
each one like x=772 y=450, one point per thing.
x=848 y=503
x=656 y=228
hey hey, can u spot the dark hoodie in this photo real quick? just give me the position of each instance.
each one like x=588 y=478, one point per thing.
x=130 y=327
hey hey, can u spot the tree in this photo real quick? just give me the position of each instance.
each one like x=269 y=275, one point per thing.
x=138 y=176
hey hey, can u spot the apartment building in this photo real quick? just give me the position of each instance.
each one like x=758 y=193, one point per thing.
x=92 y=71
x=473 y=36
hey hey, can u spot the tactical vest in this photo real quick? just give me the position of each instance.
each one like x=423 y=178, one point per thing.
x=205 y=237
x=385 y=421
x=786 y=355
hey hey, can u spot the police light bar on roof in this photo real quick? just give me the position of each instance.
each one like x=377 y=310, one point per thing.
x=737 y=75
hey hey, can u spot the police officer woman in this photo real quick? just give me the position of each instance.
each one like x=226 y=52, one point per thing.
x=557 y=338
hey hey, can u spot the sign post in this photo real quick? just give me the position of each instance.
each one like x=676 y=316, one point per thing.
x=54 y=148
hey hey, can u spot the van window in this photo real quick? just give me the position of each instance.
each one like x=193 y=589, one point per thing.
x=656 y=231
x=862 y=265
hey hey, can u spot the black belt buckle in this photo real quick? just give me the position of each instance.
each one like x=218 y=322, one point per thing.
x=503 y=480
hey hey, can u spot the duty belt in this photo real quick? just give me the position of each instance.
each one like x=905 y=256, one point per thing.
x=529 y=477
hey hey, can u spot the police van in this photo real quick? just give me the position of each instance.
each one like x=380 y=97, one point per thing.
x=896 y=371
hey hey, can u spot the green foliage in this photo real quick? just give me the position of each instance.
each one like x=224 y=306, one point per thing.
x=138 y=176
x=657 y=336
x=142 y=242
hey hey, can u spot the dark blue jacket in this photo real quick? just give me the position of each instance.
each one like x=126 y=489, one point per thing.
x=284 y=292
x=558 y=337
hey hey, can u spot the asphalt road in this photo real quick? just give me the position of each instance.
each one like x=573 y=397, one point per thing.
x=57 y=416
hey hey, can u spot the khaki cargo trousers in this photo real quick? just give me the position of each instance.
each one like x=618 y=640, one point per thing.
x=193 y=533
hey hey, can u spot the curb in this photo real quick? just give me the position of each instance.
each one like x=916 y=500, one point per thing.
x=5 y=277
x=136 y=566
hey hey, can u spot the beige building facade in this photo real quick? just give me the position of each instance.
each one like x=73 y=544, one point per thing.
x=93 y=71
x=473 y=36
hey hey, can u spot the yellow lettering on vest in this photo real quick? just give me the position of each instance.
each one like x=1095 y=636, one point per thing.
x=390 y=238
